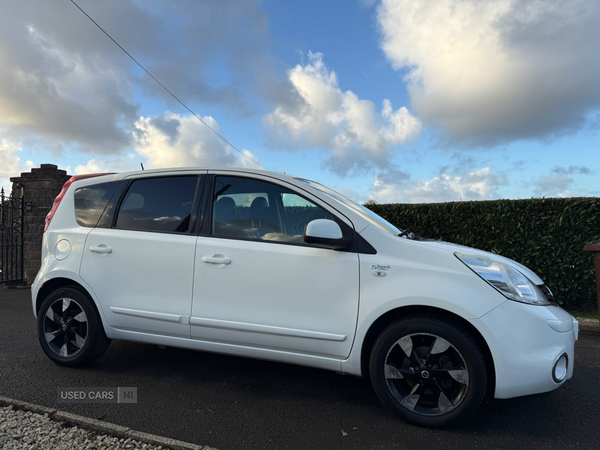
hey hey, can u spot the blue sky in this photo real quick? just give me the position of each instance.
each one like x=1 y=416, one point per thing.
x=391 y=100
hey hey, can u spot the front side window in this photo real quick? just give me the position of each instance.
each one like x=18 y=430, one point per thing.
x=158 y=204
x=90 y=202
x=254 y=209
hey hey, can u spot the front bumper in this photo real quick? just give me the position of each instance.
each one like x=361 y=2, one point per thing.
x=532 y=347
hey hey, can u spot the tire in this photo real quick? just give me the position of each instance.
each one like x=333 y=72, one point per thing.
x=70 y=329
x=428 y=371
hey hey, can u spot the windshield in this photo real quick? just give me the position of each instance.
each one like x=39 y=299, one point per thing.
x=365 y=213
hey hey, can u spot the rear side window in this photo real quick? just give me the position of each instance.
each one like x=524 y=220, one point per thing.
x=90 y=202
x=158 y=204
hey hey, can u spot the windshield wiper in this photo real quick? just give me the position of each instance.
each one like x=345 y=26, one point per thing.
x=407 y=234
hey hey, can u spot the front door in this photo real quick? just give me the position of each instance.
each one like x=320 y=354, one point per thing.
x=257 y=284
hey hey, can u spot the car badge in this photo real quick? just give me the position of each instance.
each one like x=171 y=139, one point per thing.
x=379 y=270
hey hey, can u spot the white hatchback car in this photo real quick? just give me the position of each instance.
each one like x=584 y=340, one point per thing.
x=266 y=265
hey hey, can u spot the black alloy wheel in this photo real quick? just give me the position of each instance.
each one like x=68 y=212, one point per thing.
x=65 y=327
x=69 y=328
x=428 y=371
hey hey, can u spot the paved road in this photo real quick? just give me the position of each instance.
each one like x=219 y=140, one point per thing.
x=235 y=403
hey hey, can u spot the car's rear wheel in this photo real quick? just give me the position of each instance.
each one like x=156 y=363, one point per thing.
x=428 y=371
x=70 y=329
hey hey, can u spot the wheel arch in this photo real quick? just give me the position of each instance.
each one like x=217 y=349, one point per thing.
x=383 y=321
x=54 y=284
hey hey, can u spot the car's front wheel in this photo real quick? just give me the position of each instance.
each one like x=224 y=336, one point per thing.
x=428 y=371
x=70 y=329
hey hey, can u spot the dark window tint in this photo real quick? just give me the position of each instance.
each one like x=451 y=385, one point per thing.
x=254 y=209
x=90 y=202
x=158 y=204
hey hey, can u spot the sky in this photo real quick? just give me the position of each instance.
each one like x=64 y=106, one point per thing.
x=407 y=101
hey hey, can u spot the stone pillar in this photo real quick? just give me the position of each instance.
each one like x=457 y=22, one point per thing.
x=39 y=188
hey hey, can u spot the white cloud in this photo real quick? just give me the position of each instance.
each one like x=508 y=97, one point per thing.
x=493 y=71
x=10 y=166
x=322 y=115
x=110 y=164
x=10 y=161
x=56 y=88
x=556 y=185
x=561 y=182
x=480 y=184
x=172 y=140
x=64 y=83
x=92 y=166
x=571 y=170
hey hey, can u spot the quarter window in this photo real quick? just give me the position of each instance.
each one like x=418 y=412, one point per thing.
x=254 y=209
x=158 y=204
x=90 y=202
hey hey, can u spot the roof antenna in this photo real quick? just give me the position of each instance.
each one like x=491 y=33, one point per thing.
x=142 y=166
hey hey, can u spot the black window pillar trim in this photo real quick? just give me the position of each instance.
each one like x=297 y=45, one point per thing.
x=196 y=215
x=356 y=243
x=203 y=204
x=107 y=219
x=205 y=224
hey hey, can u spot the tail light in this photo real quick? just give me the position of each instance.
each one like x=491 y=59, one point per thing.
x=63 y=192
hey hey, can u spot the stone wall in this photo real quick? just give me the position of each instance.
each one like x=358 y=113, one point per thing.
x=39 y=188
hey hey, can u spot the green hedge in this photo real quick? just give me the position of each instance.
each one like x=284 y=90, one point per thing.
x=547 y=235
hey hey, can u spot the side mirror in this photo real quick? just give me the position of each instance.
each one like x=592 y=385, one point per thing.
x=325 y=233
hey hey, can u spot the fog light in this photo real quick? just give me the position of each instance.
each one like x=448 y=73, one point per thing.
x=559 y=371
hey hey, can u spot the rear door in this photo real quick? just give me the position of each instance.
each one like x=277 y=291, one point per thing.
x=140 y=266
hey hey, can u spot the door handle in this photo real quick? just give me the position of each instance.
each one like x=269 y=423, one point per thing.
x=215 y=260
x=100 y=249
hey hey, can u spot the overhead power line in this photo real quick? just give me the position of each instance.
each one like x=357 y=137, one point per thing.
x=165 y=88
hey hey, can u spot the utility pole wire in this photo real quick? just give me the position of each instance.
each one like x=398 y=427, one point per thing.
x=165 y=88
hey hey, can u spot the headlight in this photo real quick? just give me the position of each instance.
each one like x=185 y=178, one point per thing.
x=508 y=281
